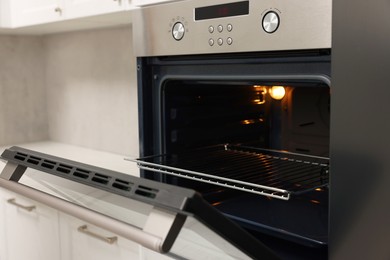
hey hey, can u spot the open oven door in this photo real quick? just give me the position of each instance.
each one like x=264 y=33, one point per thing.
x=165 y=218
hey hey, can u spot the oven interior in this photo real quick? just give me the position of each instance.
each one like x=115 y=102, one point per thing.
x=257 y=150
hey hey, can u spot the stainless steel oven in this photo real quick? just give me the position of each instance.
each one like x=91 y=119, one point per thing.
x=234 y=102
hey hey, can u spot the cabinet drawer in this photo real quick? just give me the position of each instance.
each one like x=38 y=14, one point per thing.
x=30 y=228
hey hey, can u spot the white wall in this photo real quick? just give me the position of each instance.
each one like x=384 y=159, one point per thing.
x=76 y=88
x=23 y=110
x=91 y=86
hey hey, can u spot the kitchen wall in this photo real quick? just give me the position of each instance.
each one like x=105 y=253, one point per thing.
x=76 y=88
x=91 y=89
x=23 y=107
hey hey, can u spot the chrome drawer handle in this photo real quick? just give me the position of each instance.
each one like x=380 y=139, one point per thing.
x=109 y=240
x=28 y=208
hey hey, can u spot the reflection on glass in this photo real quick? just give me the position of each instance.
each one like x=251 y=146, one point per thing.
x=121 y=208
x=196 y=241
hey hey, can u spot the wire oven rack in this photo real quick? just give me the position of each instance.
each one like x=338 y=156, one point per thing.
x=271 y=173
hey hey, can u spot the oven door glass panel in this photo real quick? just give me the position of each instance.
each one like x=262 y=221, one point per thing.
x=203 y=230
x=195 y=239
x=121 y=208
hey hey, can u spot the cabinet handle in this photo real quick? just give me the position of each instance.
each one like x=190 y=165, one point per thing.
x=125 y=230
x=109 y=240
x=28 y=208
x=58 y=10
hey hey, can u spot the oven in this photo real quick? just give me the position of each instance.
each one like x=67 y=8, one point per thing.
x=234 y=102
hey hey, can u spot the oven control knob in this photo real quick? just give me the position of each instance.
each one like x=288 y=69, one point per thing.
x=271 y=22
x=178 y=31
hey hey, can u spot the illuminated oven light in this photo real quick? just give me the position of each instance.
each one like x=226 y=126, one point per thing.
x=277 y=92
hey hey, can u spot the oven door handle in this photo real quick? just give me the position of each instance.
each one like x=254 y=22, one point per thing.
x=159 y=240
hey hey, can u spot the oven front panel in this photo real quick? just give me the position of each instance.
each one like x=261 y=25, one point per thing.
x=204 y=26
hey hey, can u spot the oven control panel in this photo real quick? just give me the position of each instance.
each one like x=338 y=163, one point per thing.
x=216 y=36
x=204 y=26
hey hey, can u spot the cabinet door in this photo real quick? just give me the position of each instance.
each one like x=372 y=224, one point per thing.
x=3 y=239
x=31 y=229
x=5 y=17
x=151 y=2
x=82 y=241
x=30 y=12
x=84 y=8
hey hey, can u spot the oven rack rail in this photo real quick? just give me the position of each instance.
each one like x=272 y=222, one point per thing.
x=265 y=172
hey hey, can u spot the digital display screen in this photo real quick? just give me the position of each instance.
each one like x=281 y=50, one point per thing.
x=223 y=10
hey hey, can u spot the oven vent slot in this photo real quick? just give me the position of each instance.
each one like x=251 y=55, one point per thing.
x=100 y=178
x=265 y=172
x=72 y=172
x=122 y=185
x=20 y=156
x=146 y=192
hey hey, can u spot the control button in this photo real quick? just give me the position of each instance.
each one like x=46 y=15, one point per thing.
x=220 y=41
x=220 y=28
x=270 y=22
x=229 y=41
x=229 y=27
x=211 y=42
x=211 y=29
x=178 y=31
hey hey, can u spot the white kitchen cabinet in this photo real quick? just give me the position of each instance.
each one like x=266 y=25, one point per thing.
x=150 y=2
x=30 y=12
x=5 y=16
x=46 y=234
x=84 y=8
x=83 y=241
x=3 y=247
x=85 y=13
x=29 y=229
